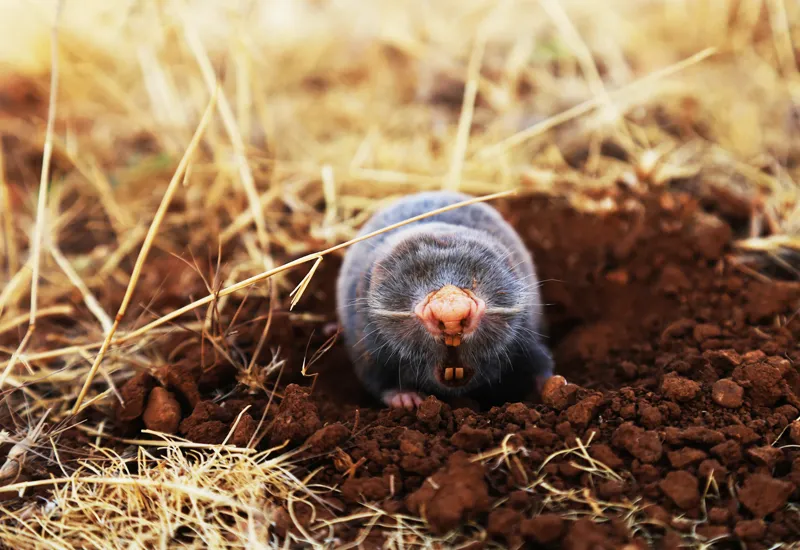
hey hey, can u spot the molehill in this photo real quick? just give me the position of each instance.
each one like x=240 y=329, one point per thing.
x=678 y=425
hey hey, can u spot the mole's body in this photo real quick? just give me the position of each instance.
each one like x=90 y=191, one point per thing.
x=446 y=306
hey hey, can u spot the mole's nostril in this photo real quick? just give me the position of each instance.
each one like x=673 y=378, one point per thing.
x=450 y=312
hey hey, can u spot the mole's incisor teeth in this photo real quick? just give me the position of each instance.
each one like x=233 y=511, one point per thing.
x=448 y=373
x=453 y=340
x=459 y=373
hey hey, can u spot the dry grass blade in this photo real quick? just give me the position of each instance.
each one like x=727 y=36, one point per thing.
x=47 y=154
x=11 y=291
x=235 y=135
x=556 y=12
x=91 y=302
x=44 y=312
x=588 y=105
x=298 y=291
x=38 y=232
x=588 y=66
x=453 y=180
x=15 y=458
x=7 y=217
x=148 y=242
x=782 y=36
x=769 y=244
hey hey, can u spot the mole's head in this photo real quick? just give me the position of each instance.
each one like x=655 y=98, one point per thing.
x=449 y=307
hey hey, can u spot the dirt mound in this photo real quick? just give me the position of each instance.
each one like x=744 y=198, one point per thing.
x=678 y=424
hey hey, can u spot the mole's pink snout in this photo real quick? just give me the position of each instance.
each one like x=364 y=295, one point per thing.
x=451 y=313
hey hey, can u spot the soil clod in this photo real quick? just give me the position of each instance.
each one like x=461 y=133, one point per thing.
x=163 y=413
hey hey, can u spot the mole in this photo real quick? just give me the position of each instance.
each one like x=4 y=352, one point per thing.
x=446 y=306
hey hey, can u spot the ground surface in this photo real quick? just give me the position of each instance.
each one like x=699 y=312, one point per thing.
x=655 y=147
x=684 y=387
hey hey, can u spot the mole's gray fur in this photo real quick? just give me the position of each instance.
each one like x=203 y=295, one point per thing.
x=469 y=247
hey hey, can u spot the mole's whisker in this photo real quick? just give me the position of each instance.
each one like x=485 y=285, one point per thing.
x=504 y=310
x=393 y=314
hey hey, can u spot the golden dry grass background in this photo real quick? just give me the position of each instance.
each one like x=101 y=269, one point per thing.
x=342 y=104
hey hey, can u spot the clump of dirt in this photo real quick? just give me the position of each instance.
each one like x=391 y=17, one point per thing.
x=455 y=494
x=163 y=413
x=675 y=424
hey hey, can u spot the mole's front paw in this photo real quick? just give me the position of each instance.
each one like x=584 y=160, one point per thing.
x=402 y=399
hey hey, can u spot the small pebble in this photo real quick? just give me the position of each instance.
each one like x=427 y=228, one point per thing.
x=727 y=393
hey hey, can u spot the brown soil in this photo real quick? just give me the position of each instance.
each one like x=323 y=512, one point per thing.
x=683 y=383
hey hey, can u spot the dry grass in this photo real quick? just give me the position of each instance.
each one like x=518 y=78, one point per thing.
x=254 y=133
x=146 y=499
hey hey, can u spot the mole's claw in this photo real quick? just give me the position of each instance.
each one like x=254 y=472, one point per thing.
x=402 y=400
